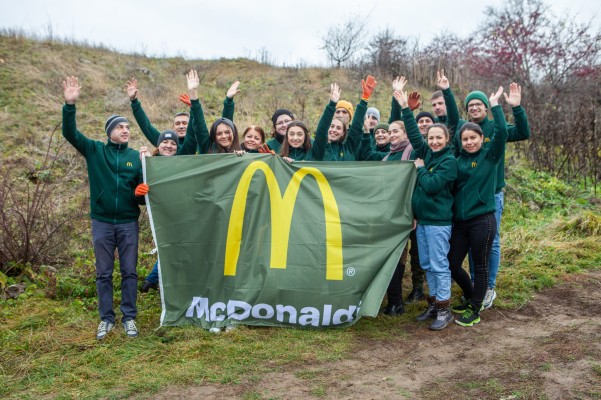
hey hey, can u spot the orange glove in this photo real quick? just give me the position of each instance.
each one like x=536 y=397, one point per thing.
x=414 y=100
x=185 y=98
x=265 y=149
x=368 y=84
x=141 y=189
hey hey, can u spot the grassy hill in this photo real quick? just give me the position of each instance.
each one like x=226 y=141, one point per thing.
x=47 y=349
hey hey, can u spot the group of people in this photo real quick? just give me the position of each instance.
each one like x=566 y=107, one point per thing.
x=457 y=201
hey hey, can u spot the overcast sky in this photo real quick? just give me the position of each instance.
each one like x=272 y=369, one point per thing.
x=290 y=31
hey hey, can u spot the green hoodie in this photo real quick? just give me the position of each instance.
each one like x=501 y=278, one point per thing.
x=476 y=180
x=114 y=171
x=432 y=199
x=318 y=147
x=346 y=150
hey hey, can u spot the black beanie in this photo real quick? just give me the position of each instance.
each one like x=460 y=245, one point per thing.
x=424 y=114
x=278 y=113
x=112 y=122
x=168 y=135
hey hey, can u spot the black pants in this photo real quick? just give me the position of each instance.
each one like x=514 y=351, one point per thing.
x=394 y=293
x=476 y=234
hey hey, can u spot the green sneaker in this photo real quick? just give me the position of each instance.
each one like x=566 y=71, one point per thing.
x=469 y=317
x=461 y=308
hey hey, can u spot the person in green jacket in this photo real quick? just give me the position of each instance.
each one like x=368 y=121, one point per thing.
x=339 y=146
x=432 y=204
x=114 y=170
x=280 y=119
x=477 y=106
x=298 y=146
x=181 y=120
x=474 y=225
x=252 y=138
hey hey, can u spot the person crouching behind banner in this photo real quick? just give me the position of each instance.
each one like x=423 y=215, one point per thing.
x=432 y=205
x=252 y=139
x=297 y=144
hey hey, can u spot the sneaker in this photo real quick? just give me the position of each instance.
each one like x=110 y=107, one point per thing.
x=103 y=328
x=417 y=294
x=469 y=317
x=461 y=308
x=130 y=328
x=148 y=285
x=489 y=297
x=215 y=330
x=430 y=312
x=394 y=309
x=443 y=319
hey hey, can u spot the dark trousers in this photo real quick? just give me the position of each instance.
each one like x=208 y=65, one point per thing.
x=394 y=293
x=477 y=235
x=123 y=237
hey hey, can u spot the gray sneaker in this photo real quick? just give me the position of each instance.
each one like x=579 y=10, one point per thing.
x=130 y=328
x=103 y=328
x=489 y=297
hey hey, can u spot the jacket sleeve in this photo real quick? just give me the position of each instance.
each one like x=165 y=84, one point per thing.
x=355 y=132
x=200 y=127
x=70 y=132
x=435 y=181
x=318 y=150
x=151 y=133
x=415 y=137
x=190 y=144
x=521 y=130
x=496 y=148
x=228 y=109
x=395 y=111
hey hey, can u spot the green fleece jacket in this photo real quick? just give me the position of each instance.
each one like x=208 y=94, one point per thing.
x=275 y=143
x=186 y=146
x=347 y=149
x=318 y=146
x=515 y=133
x=114 y=171
x=432 y=199
x=476 y=180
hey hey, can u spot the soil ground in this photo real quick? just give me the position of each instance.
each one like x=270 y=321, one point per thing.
x=548 y=349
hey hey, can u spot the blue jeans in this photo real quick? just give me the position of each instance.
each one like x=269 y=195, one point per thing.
x=123 y=237
x=495 y=252
x=153 y=276
x=433 y=246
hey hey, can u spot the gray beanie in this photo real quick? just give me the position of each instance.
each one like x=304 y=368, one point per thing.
x=168 y=135
x=112 y=122
x=373 y=111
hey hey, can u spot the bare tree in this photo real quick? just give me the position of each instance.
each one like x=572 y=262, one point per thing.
x=388 y=53
x=343 y=41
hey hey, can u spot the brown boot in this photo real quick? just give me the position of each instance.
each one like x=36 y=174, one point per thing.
x=430 y=312
x=443 y=317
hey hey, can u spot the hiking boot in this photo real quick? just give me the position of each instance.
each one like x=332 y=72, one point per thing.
x=430 y=312
x=103 y=328
x=489 y=297
x=130 y=328
x=469 y=317
x=394 y=309
x=460 y=308
x=443 y=316
x=417 y=294
x=148 y=285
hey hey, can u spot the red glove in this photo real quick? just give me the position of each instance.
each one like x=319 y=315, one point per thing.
x=185 y=98
x=141 y=189
x=368 y=85
x=414 y=100
x=265 y=149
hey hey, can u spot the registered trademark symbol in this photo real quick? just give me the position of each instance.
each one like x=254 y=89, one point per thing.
x=350 y=271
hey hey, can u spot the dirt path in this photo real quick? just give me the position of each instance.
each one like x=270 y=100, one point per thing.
x=549 y=349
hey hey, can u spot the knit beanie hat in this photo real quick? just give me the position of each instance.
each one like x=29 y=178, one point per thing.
x=477 y=95
x=279 y=112
x=382 y=125
x=112 y=122
x=373 y=111
x=226 y=121
x=168 y=135
x=347 y=106
x=424 y=114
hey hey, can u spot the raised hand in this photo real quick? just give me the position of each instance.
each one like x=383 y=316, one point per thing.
x=515 y=95
x=401 y=98
x=132 y=88
x=335 y=92
x=233 y=90
x=368 y=85
x=494 y=97
x=185 y=98
x=71 y=89
x=414 y=100
x=398 y=84
x=193 y=82
x=442 y=82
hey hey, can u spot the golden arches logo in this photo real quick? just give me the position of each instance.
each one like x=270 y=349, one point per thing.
x=282 y=208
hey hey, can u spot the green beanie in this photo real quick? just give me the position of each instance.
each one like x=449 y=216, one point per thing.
x=382 y=125
x=477 y=95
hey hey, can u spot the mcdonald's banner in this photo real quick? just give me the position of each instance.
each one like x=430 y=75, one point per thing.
x=254 y=240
